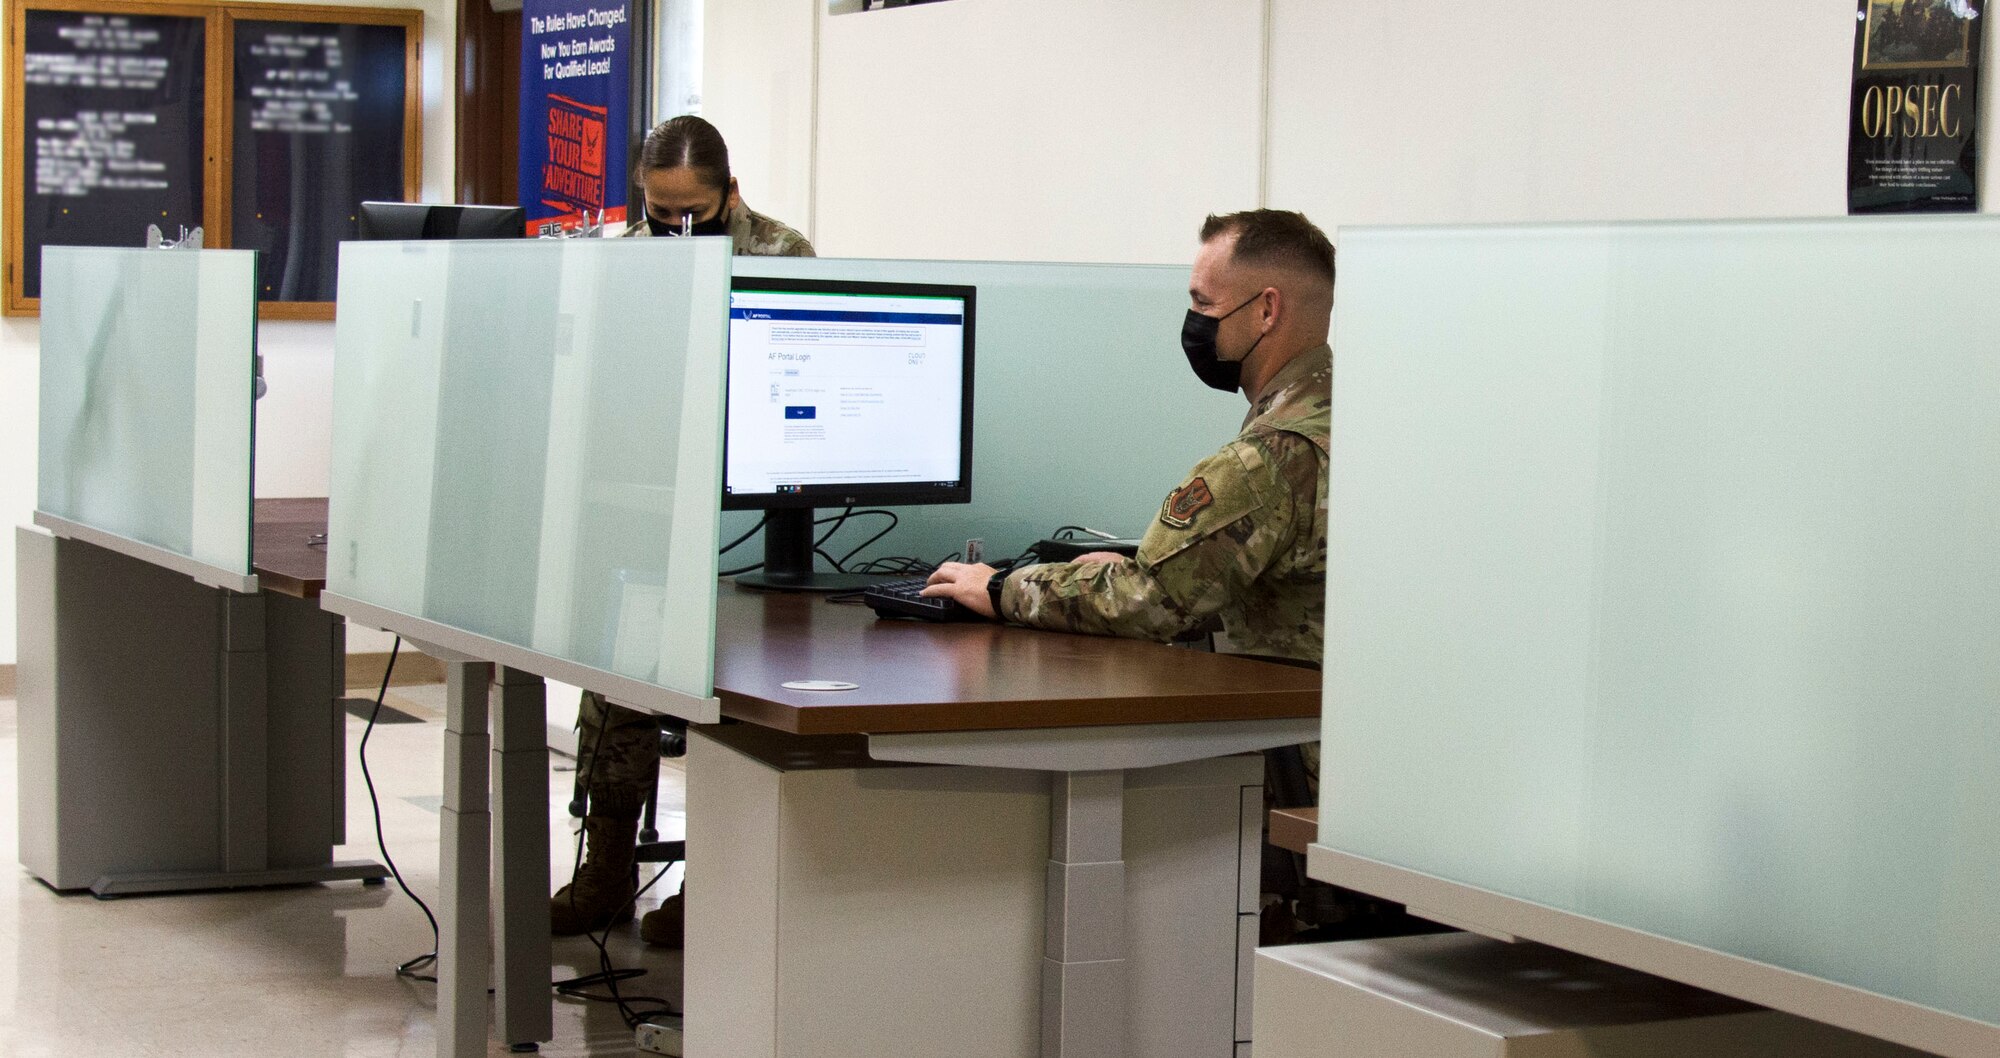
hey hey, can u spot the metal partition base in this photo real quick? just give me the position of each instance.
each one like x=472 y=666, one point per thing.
x=1492 y=914
x=175 y=737
x=131 y=884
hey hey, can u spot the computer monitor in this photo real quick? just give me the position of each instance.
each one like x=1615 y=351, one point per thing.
x=843 y=394
x=424 y=220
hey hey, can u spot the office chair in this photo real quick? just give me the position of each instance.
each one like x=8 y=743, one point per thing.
x=673 y=743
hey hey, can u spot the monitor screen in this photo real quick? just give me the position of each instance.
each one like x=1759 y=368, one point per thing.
x=844 y=393
x=423 y=220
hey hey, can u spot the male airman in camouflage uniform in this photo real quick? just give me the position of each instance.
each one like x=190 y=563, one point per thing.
x=1250 y=548
x=1242 y=538
x=684 y=168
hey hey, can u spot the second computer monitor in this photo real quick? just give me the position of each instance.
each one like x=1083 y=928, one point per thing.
x=426 y=220
x=841 y=394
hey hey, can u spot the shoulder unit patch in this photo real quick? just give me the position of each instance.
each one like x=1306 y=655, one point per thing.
x=1185 y=502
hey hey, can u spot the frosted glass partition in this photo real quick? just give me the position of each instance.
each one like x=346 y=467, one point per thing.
x=148 y=374
x=527 y=455
x=1085 y=411
x=1663 y=592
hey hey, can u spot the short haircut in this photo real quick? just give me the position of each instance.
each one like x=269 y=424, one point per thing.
x=1277 y=238
x=687 y=142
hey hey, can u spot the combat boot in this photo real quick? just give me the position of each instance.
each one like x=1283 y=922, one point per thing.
x=664 y=926
x=600 y=895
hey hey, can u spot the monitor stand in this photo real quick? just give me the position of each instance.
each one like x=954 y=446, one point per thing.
x=788 y=558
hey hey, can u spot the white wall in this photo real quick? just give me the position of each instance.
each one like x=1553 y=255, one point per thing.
x=757 y=87
x=1562 y=110
x=677 y=48
x=1057 y=130
x=1103 y=130
x=294 y=422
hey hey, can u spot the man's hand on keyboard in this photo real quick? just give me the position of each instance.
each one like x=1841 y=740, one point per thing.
x=963 y=584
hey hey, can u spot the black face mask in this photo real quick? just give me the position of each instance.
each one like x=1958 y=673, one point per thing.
x=1198 y=342
x=716 y=225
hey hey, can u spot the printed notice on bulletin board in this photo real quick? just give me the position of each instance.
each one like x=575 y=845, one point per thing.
x=1912 y=139
x=318 y=130
x=112 y=124
x=576 y=96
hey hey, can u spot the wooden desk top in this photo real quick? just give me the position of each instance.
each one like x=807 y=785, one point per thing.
x=912 y=675
x=919 y=676
x=279 y=553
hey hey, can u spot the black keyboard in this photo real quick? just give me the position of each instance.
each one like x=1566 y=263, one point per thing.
x=902 y=598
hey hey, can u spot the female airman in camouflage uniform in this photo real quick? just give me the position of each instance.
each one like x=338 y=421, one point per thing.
x=684 y=167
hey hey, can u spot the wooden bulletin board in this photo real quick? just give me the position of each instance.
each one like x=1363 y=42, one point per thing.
x=264 y=124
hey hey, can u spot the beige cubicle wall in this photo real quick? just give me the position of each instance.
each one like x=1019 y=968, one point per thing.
x=147 y=412
x=573 y=535
x=1662 y=606
x=178 y=726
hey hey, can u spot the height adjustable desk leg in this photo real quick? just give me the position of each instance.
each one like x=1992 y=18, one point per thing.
x=521 y=857
x=464 y=862
x=1083 y=960
x=246 y=785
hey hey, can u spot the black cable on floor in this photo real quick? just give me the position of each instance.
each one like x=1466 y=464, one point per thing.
x=407 y=969
x=608 y=974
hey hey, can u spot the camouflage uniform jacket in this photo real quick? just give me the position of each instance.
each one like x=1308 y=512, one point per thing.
x=755 y=235
x=1243 y=538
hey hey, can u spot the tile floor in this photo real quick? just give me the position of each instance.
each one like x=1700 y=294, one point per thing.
x=303 y=971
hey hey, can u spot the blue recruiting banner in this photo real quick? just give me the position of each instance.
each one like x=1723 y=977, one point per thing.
x=576 y=91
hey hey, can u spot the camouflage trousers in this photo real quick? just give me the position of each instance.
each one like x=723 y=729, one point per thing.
x=617 y=755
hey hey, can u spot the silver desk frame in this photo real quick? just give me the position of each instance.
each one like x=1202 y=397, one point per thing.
x=1083 y=959
x=494 y=823
x=493 y=856
x=506 y=838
